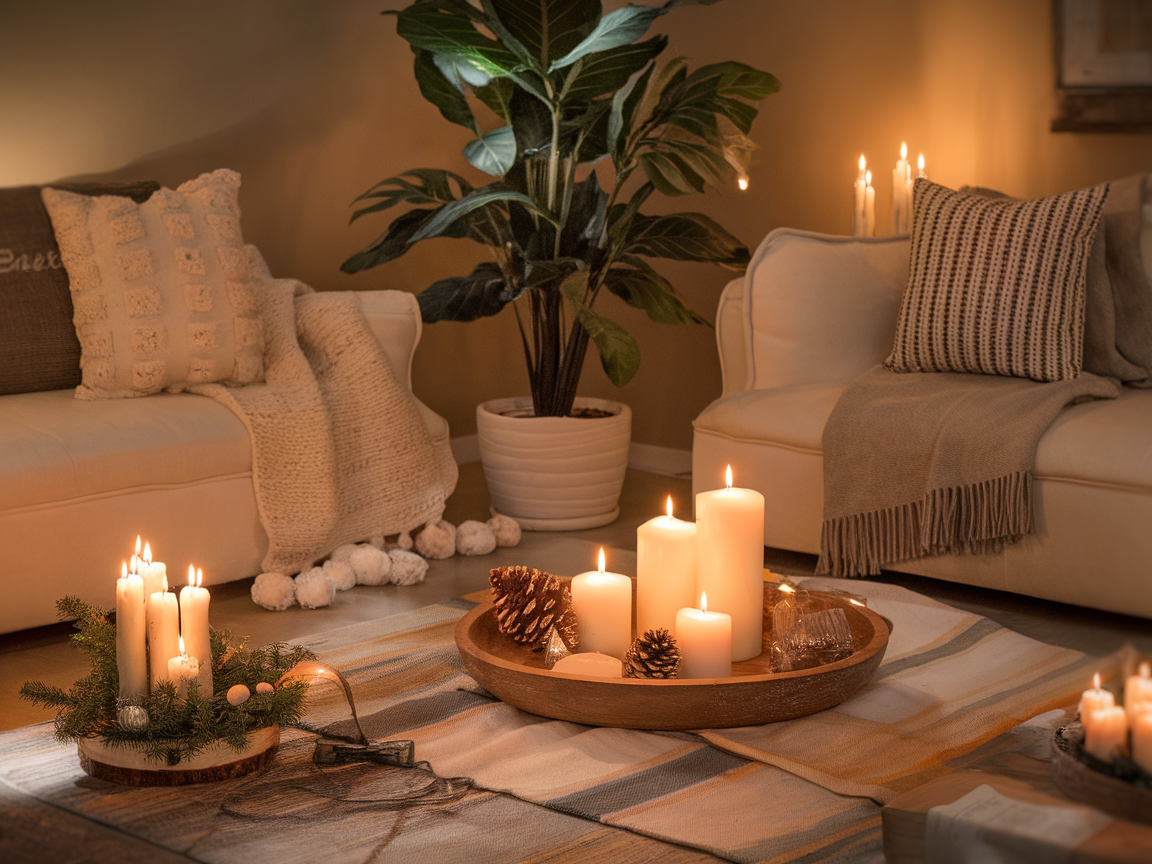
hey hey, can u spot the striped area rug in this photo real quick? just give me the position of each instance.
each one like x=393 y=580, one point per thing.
x=803 y=790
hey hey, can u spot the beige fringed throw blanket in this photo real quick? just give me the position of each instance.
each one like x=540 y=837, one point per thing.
x=339 y=451
x=925 y=463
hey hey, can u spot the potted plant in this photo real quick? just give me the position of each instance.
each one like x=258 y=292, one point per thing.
x=565 y=88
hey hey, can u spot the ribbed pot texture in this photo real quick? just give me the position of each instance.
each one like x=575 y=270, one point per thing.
x=554 y=473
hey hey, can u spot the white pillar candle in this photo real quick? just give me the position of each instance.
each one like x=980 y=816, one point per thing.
x=1142 y=739
x=163 y=617
x=592 y=665
x=1094 y=700
x=861 y=186
x=154 y=573
x=194 y=599
x=131 y=638
x=920 y=172
x=730 y=561
x=1107 y=729
x=705 y=641
x=182 y=670
x=1137 y=690
x=901 y=202
x=603 y=606
x=665 y=570
x=869 y=206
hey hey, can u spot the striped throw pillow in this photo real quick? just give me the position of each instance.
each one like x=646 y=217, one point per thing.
x=996 y=286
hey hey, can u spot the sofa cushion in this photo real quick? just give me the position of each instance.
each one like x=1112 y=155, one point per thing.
x=163 y=292
x=790 y=417
x=822 y=309
x=54 y=447
x=996 y=286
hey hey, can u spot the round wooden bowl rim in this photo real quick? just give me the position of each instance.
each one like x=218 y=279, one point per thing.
x=878 y=642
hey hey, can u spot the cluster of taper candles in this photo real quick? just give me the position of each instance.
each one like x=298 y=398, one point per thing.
x=702 y=581
x=864 y=213
x=1109 y=727
x=160 y=638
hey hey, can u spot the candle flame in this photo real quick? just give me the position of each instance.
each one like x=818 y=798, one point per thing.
x=147 y=554
x=787 y=589
x=191 y=575
x=854 y=601
x=862 y=162
x=1096 y=681
x=742 y=182
x=601 y=561
x=668 y=507
x=181 y=641
x=728 y=477
x=199 y=577
x=867 y=178
x=920 y=162
x=704 y=602
x=124 y=570
x=1145 y=670
x=903 y=150
x=137 y=545
x=135 y=565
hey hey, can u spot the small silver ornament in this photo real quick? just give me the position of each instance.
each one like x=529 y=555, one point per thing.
x=132 y=718
x=555 y=648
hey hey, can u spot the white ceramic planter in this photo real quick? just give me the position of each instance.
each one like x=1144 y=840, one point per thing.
x=554 y=473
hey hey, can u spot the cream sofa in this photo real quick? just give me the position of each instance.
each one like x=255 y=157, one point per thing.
x=80 y=480
x=815 y=311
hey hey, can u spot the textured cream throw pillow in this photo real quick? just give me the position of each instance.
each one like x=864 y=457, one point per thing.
x=996 y=286
x=163 y=292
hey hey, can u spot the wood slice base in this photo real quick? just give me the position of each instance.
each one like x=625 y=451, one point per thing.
x=128 y=766
x=1083 y=783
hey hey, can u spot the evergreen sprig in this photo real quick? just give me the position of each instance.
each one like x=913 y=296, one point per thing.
x=177 y=728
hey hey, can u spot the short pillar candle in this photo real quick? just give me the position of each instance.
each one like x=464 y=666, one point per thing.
x=1106 y=729
x=603 y=606
x=705 y=641
x=730 y=561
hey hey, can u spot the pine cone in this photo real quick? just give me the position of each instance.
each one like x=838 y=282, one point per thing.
x=528 y=602
x=653 y=655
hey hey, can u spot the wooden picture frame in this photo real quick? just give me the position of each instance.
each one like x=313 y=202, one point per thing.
x=1103 y=65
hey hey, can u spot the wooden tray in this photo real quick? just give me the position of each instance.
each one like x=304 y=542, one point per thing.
x=752 y=696
x=1081 y=782
x=128 y=767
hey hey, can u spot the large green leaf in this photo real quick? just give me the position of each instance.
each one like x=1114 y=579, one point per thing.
x=685 y=237
x=669 y=173
x=620 y=28
x=605 y=72
x=424 y=25
x=391 y=244
x=642 y=287
x=532 y=123
x=623 y=107
x=417 y=186
x=548 y=29
x=494 y=152
x=443 y=93
x=464 y=298
x=443 y=220
x=619 y=353
x=497 y=95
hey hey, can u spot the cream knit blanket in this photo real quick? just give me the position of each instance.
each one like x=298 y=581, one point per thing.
x=339 y=451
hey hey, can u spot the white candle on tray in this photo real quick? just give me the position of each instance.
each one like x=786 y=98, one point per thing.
x=131 y=638
x=194 y=599
x=154 y=573
x=730 y=561
x=861 y=195
x=603 y=606
x=1142 y=740
x=163 y=617
x=183 y=669
x=1094 y=700
x=901 y=195
x=1107 y=729
x=869 y=206
x=1138 y=690
x=920 y=172
x=665 y=570
x=705 y=642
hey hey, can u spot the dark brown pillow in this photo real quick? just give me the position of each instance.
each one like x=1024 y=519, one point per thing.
x=38 y=345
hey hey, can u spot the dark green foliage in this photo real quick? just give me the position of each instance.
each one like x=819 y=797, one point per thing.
x=178 y=728
x=570 y=87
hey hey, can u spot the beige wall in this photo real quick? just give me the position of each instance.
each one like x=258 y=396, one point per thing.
x=313 y=102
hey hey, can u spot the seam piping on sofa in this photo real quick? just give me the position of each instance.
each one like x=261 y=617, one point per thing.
x=117 y=493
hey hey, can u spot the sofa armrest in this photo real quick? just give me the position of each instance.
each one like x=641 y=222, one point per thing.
x=732 y=338
x=394 y=317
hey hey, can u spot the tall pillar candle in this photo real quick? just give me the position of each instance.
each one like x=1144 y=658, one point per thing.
x=1137 y=690
x=705 y=641
x=194 y=599
x=1142 y=740
x=163 y=618
x=155 y=573
x=730 y=561
x=603 y=606
x=860 y=197
x=901 y=199
x=869 y=206
x=131 y=638
x=665 y=571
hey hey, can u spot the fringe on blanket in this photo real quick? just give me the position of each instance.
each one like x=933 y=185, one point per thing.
x=981 y=517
